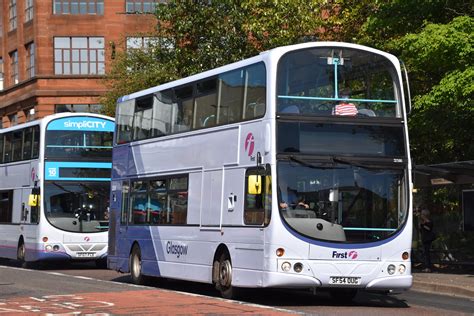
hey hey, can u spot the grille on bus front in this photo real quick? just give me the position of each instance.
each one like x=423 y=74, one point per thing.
x=85 y=247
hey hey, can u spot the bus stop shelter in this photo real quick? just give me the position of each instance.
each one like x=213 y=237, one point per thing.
x=461 y=172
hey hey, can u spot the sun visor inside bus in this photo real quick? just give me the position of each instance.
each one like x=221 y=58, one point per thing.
x=33 y=200
x=255 y=184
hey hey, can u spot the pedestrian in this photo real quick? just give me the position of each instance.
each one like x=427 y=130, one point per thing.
x=427 y=237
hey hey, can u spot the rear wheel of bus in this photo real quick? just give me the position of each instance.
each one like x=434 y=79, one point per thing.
x=136 y=266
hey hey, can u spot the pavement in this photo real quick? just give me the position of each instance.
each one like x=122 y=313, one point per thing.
x=451 y=283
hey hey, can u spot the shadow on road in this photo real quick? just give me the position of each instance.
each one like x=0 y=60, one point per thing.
x=277 y=297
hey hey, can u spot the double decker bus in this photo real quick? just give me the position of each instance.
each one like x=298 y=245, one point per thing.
x=290 y=169
x=55 y=187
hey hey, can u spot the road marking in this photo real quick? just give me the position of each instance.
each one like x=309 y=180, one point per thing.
x=157 y=289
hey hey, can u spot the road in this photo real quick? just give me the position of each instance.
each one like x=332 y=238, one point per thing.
x=82 y=288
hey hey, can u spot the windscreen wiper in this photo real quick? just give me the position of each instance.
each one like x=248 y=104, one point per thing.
x=396 y=163
x=321 y=165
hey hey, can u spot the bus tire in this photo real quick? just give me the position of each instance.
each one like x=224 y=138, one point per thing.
x=136 y=266
x=224 y=277
x=21 y=254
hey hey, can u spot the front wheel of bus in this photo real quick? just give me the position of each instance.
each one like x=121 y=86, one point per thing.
x=21 y=255
x=136 y=266
x=224 y=281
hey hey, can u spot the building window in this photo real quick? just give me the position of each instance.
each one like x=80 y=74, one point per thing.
x=28 y=10
x=29 y=114
x=14 y=67
x=13 y=118
x=1 y=73
x=89 y=108
x=142 y=43
x=79 y=56
x=141 y=6
x=78 y=7
x=12 y=14
x=30 y=60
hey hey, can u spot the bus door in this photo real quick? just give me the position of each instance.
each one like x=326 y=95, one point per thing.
x=27 y=230
x=118 y=225
x=211 y=199
x=25 y=208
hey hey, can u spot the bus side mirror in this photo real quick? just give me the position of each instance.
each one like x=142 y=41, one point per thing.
x=254 y=184
x=33 y=200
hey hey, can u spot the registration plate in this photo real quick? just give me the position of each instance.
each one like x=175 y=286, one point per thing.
x=85 y=254
x=344 y=280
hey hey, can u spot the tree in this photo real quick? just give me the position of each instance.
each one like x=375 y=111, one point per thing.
x=434 y=38
x=440 y=58
x=199 y=35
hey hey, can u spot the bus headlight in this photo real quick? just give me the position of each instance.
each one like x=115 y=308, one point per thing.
x=391 y=269
x=402 y=268
x=55 y=247
x=286 y=266
x=48 y=248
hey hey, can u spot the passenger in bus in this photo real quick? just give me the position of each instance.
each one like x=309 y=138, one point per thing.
x=345 y=108
x=155 y=207
x=291 y=199
x=288 y=198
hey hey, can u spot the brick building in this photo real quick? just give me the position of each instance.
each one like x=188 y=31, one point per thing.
x=54 y=53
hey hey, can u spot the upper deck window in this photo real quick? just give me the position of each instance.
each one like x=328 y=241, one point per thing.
x=79 y=138
x=234 y=96
x=337 y=81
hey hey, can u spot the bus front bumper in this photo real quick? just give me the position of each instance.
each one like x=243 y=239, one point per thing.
x=283 y=280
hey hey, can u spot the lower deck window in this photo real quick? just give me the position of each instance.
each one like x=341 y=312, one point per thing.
x=6 y=210
x=161 y=201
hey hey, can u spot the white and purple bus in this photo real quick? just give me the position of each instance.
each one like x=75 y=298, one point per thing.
x=55 y=187
x=290 y=169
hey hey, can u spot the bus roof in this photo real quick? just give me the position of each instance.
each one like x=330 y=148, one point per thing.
x=51 y=117
x=272 y=53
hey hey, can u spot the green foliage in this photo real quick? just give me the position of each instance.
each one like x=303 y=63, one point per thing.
x=396 y=18
x=201 y=35
x=131 y=72
x=433 y=37
x=440 y=59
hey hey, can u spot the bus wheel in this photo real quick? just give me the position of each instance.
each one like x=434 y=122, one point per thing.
x=343 y=295
x=21 y=254
x=136 y=266
x=224 y=280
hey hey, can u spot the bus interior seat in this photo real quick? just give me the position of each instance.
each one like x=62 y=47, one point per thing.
x=291 y=109
x=367 y=112
x=259 y=109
